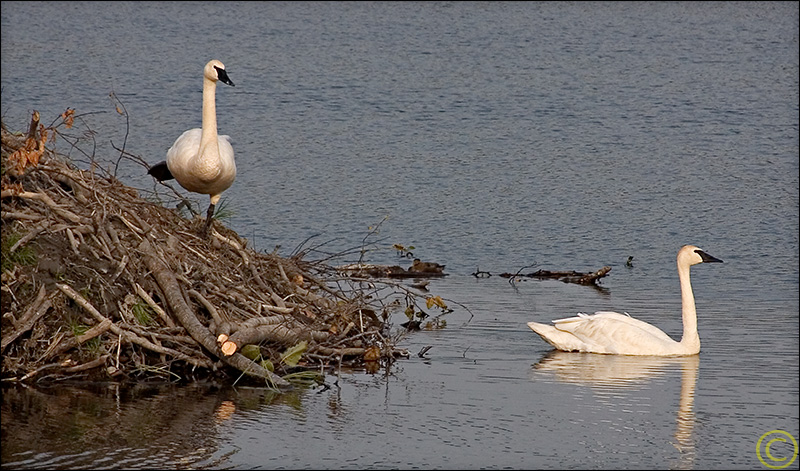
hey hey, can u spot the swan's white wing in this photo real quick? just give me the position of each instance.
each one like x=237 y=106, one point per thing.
x=611 y=332
x=184 y=149
x=611 y=316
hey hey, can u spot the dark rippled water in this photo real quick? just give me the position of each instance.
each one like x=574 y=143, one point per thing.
x=491 y=136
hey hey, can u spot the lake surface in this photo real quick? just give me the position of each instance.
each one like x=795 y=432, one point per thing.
x=489 y=136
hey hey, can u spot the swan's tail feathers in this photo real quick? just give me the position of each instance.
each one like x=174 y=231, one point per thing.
x=539 y=328
x=580 y=316
x=160 y=171
x=558 y=339
x=545 y=331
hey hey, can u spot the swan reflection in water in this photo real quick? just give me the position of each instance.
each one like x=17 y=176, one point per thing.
x=617 y=372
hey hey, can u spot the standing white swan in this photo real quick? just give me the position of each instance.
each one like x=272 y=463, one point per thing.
x=200 y=160
x=620 y=334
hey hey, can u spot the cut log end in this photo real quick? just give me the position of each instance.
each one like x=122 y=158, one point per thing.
x=228 y=348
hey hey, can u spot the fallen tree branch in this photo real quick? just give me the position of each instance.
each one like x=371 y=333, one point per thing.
x=149 y=300
x=73 y=342
x=88 y=365
x=33 y=314
x=591 y=278
x=274 y=333
x=169 y=285
x=206 y=304
x=35 y=230
x=44 y=198
x=130 y=336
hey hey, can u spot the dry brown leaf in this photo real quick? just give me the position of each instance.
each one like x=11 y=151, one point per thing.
x=435 y=301
x=372 y=353
x=15 y=188
x=68 y=117
x=23 y=158
x=29 y=154
x=43 y=133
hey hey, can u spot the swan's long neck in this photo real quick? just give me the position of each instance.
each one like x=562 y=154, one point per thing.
x=209 y=140
x=690 y=337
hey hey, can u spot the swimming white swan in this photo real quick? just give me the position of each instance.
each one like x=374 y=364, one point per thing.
x=200 y=160
x=614 y=333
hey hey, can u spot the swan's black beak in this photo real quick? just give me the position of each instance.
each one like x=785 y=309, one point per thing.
x=706 y=257
x=222 y=76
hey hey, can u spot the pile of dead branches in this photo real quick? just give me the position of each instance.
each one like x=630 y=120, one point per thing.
x=99 y=283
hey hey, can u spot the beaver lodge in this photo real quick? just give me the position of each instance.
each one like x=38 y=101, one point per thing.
x=101 y=284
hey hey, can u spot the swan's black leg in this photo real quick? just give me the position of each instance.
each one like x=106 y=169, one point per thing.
x=209 y=216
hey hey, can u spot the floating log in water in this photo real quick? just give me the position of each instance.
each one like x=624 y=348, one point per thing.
x=385 y=271
x=565 y=276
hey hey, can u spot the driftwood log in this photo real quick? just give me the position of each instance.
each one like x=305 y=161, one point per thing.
x=367 y=270
x=565 y=276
